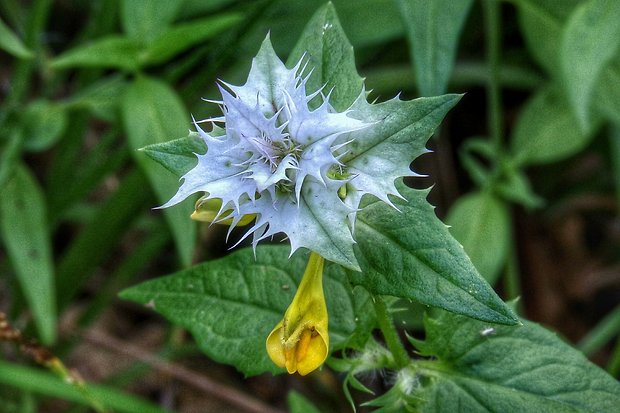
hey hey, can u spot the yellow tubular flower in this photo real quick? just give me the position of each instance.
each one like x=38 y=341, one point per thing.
x=300 y=342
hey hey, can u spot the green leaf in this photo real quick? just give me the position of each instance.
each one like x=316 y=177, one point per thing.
x=10 y=43
x=589 y=41
x=547 y=130
x=480 y=222
x=181 y=37
x=109 y=52
x=43 y=123
x=24 y=228
x=330 y=57
x=410 y=254
x=102 y=98
x=383 y=152
x=145 y=20
x=515 y=186
x=299 y=404
x=433 y=30
x=541 y=24
x=232 y=304
x=607 y=93
x=484 y=367
x=178 y=155
x=153 y=113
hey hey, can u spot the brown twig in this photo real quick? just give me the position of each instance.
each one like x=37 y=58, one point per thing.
x=225 y=393
x=44 y=357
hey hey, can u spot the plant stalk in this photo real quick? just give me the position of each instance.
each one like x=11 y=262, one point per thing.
x=390 y=334
x=492 y=19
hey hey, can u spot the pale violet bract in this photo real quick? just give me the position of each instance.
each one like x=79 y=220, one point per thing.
x=279 y=152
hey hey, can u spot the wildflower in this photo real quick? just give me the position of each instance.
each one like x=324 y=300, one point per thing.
x=300 y=342
x=288 y=159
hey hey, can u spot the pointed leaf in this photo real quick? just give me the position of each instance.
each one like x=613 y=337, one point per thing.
x=12 y=44
x=547 y=130
x=383 y=152
x=183 y=36
x=178 y=155
x=330 y=57
x=231 y=304
x=499 y=369
x=108 y=52
x=24 y=229
x=153 y=113
x=433 y=30
x=410 y=254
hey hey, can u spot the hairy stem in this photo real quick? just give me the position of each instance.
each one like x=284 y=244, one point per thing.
x=386 y=324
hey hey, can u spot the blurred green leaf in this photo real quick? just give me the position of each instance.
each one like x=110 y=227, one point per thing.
x=329 y=54
x=10 y=151
x=24 y=228
x=143 y=21
x=515 y=186
x=192 y=8
x=10 y=43
x=43 y=122
x=608 y=92
x=153 y=113
x=433 y=31
x=509 y=369
x=232 y=304
x=541 y=24
x=547 y=130
x=181 y=37
x=369 y=22
x=472 y=152
x=45 y=383
x=178 y=155
x=481 y=223
x=108 y=52
x=409 y=253
x=102 y=97
x=589 y=41
x=604 y=332
x=299 y=404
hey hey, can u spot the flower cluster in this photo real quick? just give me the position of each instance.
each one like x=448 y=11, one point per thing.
x=278 y=157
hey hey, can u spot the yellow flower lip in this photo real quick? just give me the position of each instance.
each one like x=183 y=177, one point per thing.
x=299 y=342
x=209 y=210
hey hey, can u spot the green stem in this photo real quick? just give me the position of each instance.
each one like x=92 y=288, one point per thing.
x=386 y=324
x=492 y=40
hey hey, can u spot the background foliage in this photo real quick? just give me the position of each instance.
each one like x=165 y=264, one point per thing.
x=526 y=170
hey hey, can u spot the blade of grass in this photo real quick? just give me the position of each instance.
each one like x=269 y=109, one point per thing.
x=602 y=333
x=49 y=385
